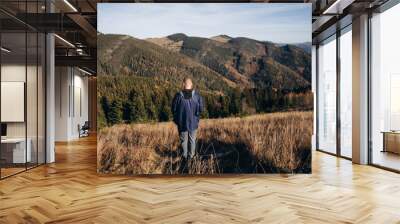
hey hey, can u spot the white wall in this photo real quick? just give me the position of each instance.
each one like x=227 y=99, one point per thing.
x=79 y=117
x=11 y=73
x=33 y=126
x=70 y=83
x=62 y=82
x=16 y=73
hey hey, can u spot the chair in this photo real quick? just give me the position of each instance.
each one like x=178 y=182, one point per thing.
x=84 y=130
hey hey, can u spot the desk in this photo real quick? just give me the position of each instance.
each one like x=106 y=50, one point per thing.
x=13 y=150
x=391 y=141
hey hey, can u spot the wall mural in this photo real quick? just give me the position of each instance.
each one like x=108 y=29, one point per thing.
x=204 y=88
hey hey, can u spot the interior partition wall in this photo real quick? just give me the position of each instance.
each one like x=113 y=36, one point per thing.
x=22 y=101
x=334 y=94
x=385 y=89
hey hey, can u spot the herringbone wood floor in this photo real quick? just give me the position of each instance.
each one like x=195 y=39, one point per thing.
x=70 y=191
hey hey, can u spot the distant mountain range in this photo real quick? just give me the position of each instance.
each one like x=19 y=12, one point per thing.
x=243 y=61
x=247 y=62
x=306 y=46
x=132 y=57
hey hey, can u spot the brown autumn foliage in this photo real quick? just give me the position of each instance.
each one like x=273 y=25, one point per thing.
x=266 y=143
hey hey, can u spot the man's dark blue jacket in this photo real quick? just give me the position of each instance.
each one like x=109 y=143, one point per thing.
x=186 y=109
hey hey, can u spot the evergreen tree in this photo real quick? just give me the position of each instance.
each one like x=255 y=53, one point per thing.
x=105 y=104
x=204 y=114
x=235 y=102
x=165 y=112
x=151 y=110
x=139 y=109
x=128 y=112
x=210 y=107
x=224 y=106
x=115 y=114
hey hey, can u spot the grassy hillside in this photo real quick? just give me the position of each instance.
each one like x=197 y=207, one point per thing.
x=269 y=143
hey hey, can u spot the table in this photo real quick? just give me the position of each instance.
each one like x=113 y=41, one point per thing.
x=391 y=141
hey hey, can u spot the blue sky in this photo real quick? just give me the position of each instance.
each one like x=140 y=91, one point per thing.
x=281 y=23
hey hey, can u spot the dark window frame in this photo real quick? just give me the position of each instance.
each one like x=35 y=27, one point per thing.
x=339 y=32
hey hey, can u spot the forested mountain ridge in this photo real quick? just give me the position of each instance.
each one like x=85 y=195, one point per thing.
x=248 y=62
x=306 y=46
x=124 y=55
x=137 y=79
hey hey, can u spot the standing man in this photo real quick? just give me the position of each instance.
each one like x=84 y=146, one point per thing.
x=186 y=108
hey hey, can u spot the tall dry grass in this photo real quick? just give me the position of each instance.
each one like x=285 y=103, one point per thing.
x=277 y=142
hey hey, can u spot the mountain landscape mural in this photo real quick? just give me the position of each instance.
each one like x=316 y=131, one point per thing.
x=256 y=104
x=238 y=76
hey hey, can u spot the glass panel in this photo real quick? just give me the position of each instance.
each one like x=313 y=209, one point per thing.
x=41 y=99
x=385 y=89
x=346 y=94
x=31 y=88
x=13 y=86
x=31 y=98
x=23 y=90
x=327 y=96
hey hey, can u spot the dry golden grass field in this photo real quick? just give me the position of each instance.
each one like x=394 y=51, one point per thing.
x=267 y=143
